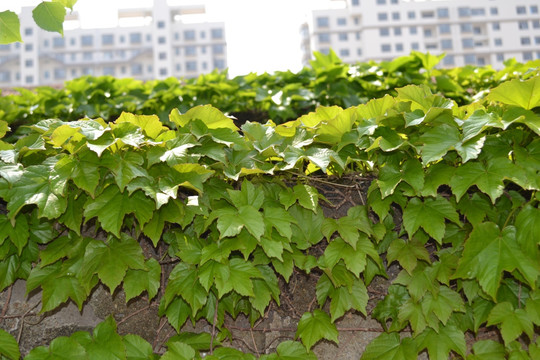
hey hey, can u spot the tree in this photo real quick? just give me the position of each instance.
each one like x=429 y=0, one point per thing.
x=48 y=15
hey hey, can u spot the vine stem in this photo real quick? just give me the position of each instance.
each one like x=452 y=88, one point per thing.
x=6 y=305
x=135 y=313
x=214 y=327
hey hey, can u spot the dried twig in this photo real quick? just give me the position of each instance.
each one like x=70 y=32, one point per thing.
x=6 y=305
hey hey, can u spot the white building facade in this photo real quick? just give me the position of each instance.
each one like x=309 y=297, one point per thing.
x=174 y=41
x=475 y=32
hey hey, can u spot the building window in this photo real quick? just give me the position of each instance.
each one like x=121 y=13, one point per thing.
x=397 y=31
x=523 y=25
x=87 y=40
x=342 y=21
x=381 y=2
x=46 y=74
x=46 y=43
x=413 y=30
x=394 y=2
x=478 y=12
x=28 y=63
x=386 y=48
x=465 y=27
x=520 y=10
x=443 y=13
x=5 y=76
x=343 y=36
x=428 y=32
x=162 y=56
x=382 y=16
x=494 y=11
x=191 y=66
x=87 y=56
x=499 y=57
x=431 y=46
x=481 y=61
x=73 y=57
x=178 y=67
x=135 y=38
x=446 y=44
x=427 y=14
x=219 y=64
x=59 y=73
x=323 y=22
x=28 y=47
x=202 y=34
x=359 y=51
x=415 y=46
x=324 y=38
x=444 y=28
x=411 y=15
x=107 y=39
x=217 y=34
x=395 y=16
x=108 y=55
x=356 y=20
x=537 y=40
x=72 y=41
x=497 y=42
x=121 y=54
x=527 y=55
x=467 y=43
x=384 y=31
x=58 y=42
x=464 y=12
x=122 y=39
x=218 y=49
x=536 y=24
x=148 y=37
x=204 y=65
x=448 y=60
x=470 y=59
x=87 y=71
x=356 y=2
x=496 y=26
x=190 y=50
x=28 y=31
x=149 y=69
x=136 y=69
x=358 y=36
x=534 y=9
x=525 y=40
x=189 y=34
x=29 y=79
x=161 y=24
x=162 y=40
x=163 y=71
x=176 y=36
x=538 y=54
x=477 y=30
x=108 y=70
x=344 y=52
x=399 y=47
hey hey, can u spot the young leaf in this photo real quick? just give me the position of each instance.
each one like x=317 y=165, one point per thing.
x=518 y=92
x=8 y=346
x=62 y=348
x=50 y=16
x=512 y=322
x=440 y=344
x=489 y=252
x=314 y=327
x=429 y=214
x=10 y=27
x=390 y=347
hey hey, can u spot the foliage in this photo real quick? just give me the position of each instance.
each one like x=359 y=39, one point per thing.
x=235 y=210
x=48 y=15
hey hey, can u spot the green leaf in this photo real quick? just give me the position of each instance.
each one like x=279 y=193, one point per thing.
x=10 y=27
x=279 y=219
x=137 y=348
x=390 y=347
x=391 y=175
x=212 y=117
x=344 y=299
x=110 y=261
x=177 y=312
x=50 y=16
x=440 y=344
x=314 y=327
x=83 y=170
x=62 y=348
x=290 y=350
x=111 y=206
x=438 y=141
x=430 y=215
x=527 y=230
x=518 y=92
x=137 y=280
x=512 y=322
x=125 y=167
x=36 y=187
x=9 y=346
x=307 y=196
x=149 y=124
x=106 y=343
x=18 y=234
x=58 y=290
x=388 y=308
x=407 y=253
x=533 y=307
x=355 y=259
x=184 y=281
x=489 y=252
x=178 y=351
x=442 y=303
x=411 y=311
x=67 y=3
x=487 y=176
x=487 y=350
x=238 y=278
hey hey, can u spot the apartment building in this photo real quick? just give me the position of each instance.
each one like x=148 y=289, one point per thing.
x=477 y=32
x=149 y=43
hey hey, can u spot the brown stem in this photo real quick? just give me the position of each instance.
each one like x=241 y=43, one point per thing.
x=135 y=313
x=6 y=305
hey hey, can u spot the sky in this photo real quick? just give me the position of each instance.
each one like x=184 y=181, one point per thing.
x=262 y=35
